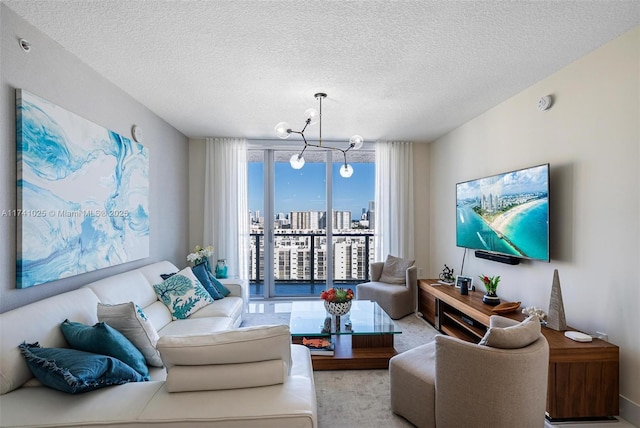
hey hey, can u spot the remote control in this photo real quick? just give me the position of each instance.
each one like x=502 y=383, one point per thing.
x=577 y=336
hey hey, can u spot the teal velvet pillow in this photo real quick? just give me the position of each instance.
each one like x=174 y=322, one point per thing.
x=130 y=320
x=201 y=272
x=106 y=340
x=224 y=291
x=73 y=371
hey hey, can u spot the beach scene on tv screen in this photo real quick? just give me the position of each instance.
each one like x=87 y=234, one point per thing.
x=506 y=213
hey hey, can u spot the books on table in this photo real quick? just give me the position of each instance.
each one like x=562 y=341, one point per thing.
x=319 y=345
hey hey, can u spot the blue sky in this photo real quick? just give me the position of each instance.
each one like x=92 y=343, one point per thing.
x=534 y=179
x=304 y=189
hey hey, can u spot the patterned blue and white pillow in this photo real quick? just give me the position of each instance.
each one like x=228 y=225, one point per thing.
x=182 y=294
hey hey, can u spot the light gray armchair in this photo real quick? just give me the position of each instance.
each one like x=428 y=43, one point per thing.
x=397 y=300
x=450 y=383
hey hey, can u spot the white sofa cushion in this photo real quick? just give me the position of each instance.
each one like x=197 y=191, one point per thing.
x=214 y=377
x=192 y=326
x=244 y=345
x=130 y=286
x=137 y=286
x=40 y=406
x=39 y=322
x=231 y=307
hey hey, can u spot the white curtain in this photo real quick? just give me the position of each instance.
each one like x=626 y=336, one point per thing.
x=226 y=212
x=394 y=225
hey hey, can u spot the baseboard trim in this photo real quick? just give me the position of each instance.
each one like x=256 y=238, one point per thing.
x=630 y=411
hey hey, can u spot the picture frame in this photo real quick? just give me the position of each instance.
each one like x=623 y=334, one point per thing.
x=460 y=279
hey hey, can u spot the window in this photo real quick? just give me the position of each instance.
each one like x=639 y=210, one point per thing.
x=293 y=251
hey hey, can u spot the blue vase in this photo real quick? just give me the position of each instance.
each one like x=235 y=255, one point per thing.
x=221 y=268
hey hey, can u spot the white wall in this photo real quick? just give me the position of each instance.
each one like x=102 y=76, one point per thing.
x=53 y=73
x=591 y=138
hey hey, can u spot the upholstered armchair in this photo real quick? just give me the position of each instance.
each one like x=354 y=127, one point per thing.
x=499 y=383
x=393 y=286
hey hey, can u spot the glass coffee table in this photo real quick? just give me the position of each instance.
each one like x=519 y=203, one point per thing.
x=363 y=338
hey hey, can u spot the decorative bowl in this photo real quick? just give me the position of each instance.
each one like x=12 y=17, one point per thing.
x=506 y=307
x=337 y=308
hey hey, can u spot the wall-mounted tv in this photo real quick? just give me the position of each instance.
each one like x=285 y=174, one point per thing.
x=505 y=215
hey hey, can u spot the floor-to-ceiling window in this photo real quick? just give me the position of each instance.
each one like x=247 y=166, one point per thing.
x=353 y=218
x=296 y=248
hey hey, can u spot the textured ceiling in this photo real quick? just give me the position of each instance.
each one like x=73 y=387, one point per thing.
x=392 y=70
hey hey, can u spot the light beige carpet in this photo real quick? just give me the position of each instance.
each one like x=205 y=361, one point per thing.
x=358 y=398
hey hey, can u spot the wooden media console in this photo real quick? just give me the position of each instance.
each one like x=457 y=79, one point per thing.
x=583 y=377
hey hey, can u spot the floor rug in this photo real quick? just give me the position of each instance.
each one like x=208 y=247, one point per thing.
x=357 y=398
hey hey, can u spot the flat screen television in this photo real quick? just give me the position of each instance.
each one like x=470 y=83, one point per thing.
x=505 y=214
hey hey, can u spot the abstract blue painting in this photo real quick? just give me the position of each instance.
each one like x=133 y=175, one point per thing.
x=82 y=194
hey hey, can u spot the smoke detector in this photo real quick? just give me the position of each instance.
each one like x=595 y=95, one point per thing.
x=544 y=103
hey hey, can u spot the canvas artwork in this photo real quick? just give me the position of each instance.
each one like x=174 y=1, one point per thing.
x=82 y=193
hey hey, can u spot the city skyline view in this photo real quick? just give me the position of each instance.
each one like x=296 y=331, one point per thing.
x=305 y=189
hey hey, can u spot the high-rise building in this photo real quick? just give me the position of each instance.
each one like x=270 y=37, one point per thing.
x=341 y=220
x=308 y=220
x=371 y=215
x=342 y=260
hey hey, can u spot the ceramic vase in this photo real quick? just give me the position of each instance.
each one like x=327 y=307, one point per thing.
x=337 y=308
x=221 y=268
x=491 y=299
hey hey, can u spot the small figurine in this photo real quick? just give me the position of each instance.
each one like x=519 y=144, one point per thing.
x=447 y=274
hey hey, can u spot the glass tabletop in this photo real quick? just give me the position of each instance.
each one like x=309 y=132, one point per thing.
x=309 y=318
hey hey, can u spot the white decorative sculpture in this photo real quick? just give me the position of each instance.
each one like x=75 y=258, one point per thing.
x=556 y=319
x=534 y=311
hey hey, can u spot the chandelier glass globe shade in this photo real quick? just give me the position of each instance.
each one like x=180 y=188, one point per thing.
x=356 y=141
x=346 y=171
x=296 y=161
x=311 y=114
x=282 y=130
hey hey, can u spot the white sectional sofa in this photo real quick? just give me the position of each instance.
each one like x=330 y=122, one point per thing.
x=210 y=360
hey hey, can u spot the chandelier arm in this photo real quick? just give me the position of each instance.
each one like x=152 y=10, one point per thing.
x=320 y=97
x=306 y=123
x=326 y=147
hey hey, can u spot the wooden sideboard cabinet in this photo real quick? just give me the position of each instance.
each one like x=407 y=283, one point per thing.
x=583 y=378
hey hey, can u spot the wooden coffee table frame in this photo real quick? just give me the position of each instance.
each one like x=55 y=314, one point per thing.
x=361 y=351
x=355 y=352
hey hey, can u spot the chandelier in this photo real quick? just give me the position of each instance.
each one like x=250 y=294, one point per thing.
x=283 y=130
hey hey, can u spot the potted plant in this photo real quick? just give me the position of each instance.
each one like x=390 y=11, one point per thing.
x=201 y=255
x=491 y=285
x=337 y=301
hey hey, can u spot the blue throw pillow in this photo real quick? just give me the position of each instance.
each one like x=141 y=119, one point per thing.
x=219 y=286
x=73 y=371
x=106 y=340
x=201 y=272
